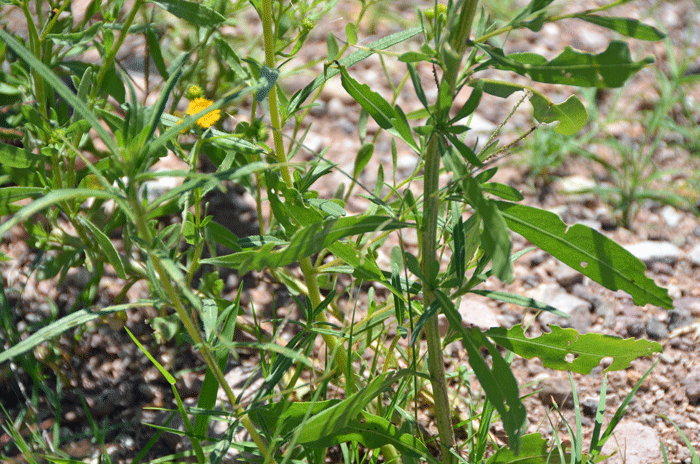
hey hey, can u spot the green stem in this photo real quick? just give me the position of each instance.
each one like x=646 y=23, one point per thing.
x=192 y=330
x=112 y=54
x=436 y=364
x=307 y=269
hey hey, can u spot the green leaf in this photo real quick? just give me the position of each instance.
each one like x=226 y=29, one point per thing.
x=283 y=417
x=351 y=32
x=52 y=198
x=533 y=450
x=193 y=12
x=571 y=114
x=156 y=55
x=413 y=57
x=364 y=154
x=498 y=382
x=75 y=38
x=519 y=300
x=335 y=418
x=10 y=195
x=106 y=246
x=16 y=157
x=306 y=241
x=55 y=329
x=584 y=351
x=67 y=94
x=587 y=251
x=373 y=432
x=268 y=78
x=610 y=68
x=371 y=101
x=353 y=58
x=626 y=26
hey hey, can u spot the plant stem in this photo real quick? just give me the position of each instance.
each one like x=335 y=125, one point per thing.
x=436 y=365
x=307 y=269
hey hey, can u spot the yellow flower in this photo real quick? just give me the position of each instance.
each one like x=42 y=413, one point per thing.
x=199 y=104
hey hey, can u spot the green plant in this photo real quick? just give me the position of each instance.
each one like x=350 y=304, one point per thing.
x=633 y=170
x=302 y=411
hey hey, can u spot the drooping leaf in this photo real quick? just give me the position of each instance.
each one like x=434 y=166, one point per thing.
x=55 y=329
x=373 y=432
x=610 y=68
x=626 y=26
x=339 y=416
x=107 y=247
x=377 y=107
x=306 y=241
x=587 y=251
x=566 y=349
x=533 y=450
x=571 y=114
x=520 y=300
x=195 y=13
x=353 y=58
x=16 y=157
x=498 y=382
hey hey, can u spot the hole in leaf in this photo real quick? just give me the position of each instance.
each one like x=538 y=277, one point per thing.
x=584 y=264
x=570 y=357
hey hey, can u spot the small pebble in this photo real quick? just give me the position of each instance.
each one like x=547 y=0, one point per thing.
x=656 y=330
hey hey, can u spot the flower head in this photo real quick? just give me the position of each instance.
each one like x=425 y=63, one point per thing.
x=194 y=91
x=209 y=119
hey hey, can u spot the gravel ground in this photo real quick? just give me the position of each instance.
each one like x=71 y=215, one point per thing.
x=117 y=383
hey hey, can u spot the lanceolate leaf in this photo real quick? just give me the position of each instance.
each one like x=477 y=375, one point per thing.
x=374 y=432
x=193 y=12
x=353 y=58
x=498 y=382
x=626 y=26
x=587 y=251
x=55 y=329
x=306 y=241
x=584 y=351
x=610 y=68
x=571 y=114
x=534 y=450
x=375 y=104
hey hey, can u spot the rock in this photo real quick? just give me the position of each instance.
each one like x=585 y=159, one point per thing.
x=656 y=329
x=566 y=276
x=476 y=313
x=653 y=251
x=638 y=444
x=577 y=186
x=556 y=390
x=694 y=255
x=692 y=304
x=679 y=318
x=589 y=406
x=671 y=216
x=555 y=296
x=692 y=388
x=635 y=327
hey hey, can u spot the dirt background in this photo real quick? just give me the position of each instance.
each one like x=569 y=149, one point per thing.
x=119 y=385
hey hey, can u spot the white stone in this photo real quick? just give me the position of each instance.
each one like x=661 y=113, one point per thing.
x=654 y=252
x=638 y=444
x=671 y=216
x=694 y=255
x=476 y=313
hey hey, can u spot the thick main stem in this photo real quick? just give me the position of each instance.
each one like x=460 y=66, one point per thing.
x=436 y=365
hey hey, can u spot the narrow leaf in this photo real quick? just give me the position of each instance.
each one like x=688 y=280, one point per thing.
x=57 y=84
x=106 y=246
x=610 y=68
x=193 y=12
x=371 y=101
x=566 y=349
x=520 y=300
x=306 y=241
x=626 y=26
x=16 y=157
x=373 y=432
x=55 y=329
x=587 y=251
x=353 y=58
x=498 y=382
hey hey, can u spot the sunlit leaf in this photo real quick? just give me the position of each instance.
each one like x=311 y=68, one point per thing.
x=626 y=26
x=193 y=12
x=587 y=251
x=566 y=349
